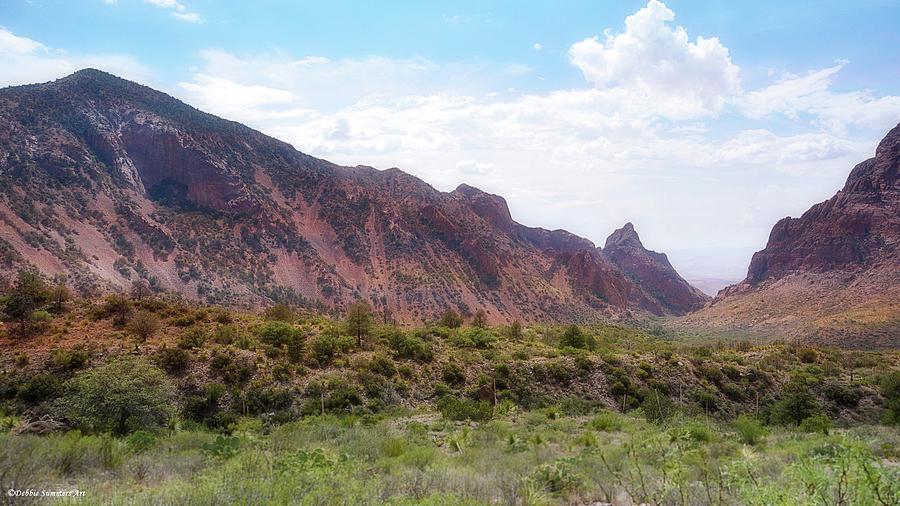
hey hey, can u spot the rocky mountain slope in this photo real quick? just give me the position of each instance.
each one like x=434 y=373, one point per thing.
x=105 y=181
x=833 y=274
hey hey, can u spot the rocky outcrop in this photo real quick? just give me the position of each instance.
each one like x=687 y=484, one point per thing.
x=833 y=274
x=107 y=181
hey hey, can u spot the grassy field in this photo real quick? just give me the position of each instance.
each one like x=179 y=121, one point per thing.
x=158 y=401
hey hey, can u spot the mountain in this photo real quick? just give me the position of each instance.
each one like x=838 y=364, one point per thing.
x=106 y=181
x=833 y=274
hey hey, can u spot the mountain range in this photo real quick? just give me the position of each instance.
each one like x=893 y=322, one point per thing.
x=104 y=182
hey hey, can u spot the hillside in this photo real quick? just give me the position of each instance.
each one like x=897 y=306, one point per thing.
x=104 y=181
x=833 y=274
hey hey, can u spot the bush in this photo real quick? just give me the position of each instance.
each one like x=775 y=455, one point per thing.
x=118 y=307
x=574 y=337
x=453 y=374
x=451 y=319
x=122 y=396
x=474 y=337
x=749 y=429
x=40 y=387
x=280 y=312
x=192 y=338
x=452 y=408
x=797 y=404
x=173 y=360
x=816 y=423
x=556 y=477
x=383 y=365
x=143 y=325
x=890 y=390
x=657 y=407
x=606 y=421
x=326 y=347
x=69 y=360
x=278 y=333
x=410 y=347
x=203 y=406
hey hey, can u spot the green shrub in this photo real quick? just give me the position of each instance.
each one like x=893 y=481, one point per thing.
x=203 y=406
x=691 y=430
x=797 y=403
x=453 y=408
x=69 y=360
x=606 y=421
x=225 y=334
x=279 y=312
x=556 y=477
x=279 y=333
x=657 y=407
x=140 y=441
x=326 y=347
x=574 y=337
x=890 y=390
x=816 y=423
x=453 y=374
x=474 y=337
x=122 y=396
x=172 y=360
x=750 y=430
x=382 y=365
x=192 y=338
x=40 y=387
x=843 y=395
x=410 y=347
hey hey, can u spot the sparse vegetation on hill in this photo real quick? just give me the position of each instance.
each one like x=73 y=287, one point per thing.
x=309 y=409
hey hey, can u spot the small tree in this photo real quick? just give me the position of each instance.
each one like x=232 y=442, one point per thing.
x=140 y=289
x=359 y=320
x=29 y=294
x=59 y=295
x=797 y=404
x=118 y=307
x=515 y=330
x=451 y=319
x=573 y=337
x=143 y=325
x=479 y=319
x=125 y=395
x=890 y=389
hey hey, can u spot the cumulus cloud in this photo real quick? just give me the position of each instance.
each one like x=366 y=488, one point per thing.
x=657 y=66
x=25 y=60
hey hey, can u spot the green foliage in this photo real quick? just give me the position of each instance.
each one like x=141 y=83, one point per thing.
x=750 y=430
x=479 y=319
x=474 y=337
x=657 y=407
x=890 y=390
x=122 y=396
x=143 y=325
x=383 y=365
x=408 y=346
x=193 y=338
x=514 y=331
x=556 y=477
x=68 y=360
x=279 y=333
x=40 y=387
x=119 y=308
x=606 y=421
x=453 y=408
x=451 y=319
x=173 y=360
x=326 y=347
x=816 y=423
x=574 y=337
x=359 y=320
x=797 y=403
x=29 y=294
x=453 y=374
x=280 y=312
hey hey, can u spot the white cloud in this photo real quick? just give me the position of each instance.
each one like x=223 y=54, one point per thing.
x=537 y=46
x=810 y=96
x=25 y=61
x=657 y=66
x=179 y=10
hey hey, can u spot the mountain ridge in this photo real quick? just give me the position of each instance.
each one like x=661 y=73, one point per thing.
x=109 y=181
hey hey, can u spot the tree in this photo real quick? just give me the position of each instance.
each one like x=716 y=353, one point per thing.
x=59 y=295
x=122 y=396
x=29 y=294
x=118 y=307
x=573 y=337
x=797 y=404
x=143 y=325
x=359 y=320
x=140 y=289
x=890 y=389
x=451 y=319
x=515 y=330
x=479 y=319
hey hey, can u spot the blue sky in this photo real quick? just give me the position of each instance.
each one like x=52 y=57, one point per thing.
x=701 y=122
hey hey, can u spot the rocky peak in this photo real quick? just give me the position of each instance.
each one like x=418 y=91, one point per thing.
x=490 y=207
x=624 y=237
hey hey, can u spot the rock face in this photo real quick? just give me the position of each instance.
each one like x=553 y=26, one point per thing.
x=106 y=181
x=652 y=272
x=832 y=274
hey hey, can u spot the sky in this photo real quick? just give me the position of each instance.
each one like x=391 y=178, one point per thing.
x=702 y=123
